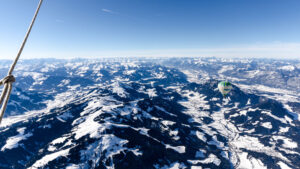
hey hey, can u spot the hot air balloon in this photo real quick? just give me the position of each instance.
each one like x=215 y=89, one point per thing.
x=224 y=87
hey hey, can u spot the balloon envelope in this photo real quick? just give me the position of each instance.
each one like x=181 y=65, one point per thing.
x=224 y=87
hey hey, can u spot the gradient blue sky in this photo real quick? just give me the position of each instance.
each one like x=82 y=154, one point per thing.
x=106 y=28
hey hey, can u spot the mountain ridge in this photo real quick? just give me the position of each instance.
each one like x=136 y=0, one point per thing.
x=146 y=115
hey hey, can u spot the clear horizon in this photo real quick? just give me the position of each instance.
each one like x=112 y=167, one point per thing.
x=171 y=28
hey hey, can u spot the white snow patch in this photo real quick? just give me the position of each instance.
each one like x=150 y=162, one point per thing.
x=215 y=99
x=168 y=123
x=253 y=144
x=116 y=88
x=225 y=68
x=243 y=112
x=174 y=134
x=137 y=152
x=179 y=149
x=275 y=117
x=253 y=73
x=143 y=131
x=74 y=87
x=287 y=142
x=51 y=148
x=288 y=119
x=236 y=104
x=283 y=165
x=211 y=159
x=159 y=75
x=37 y=77
x=283 y=129
x=175 y=165
x=129 y=72
x=201 y=136
x=64 y=82
x=151 y=92
x=288 y=68
x=89 y=126
x=281 y=95
x=59 y=100
x=195 y=103
x=60 y=119
x=113 y=144
x=248 y=102
x=108 y=146
x=249 y=162
x=13 y=142
x=267 y=125
x=73 y=166
x=59 y=140
x=48 y=68
x=50 y=157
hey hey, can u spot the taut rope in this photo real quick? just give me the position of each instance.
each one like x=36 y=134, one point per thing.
x=9 y=79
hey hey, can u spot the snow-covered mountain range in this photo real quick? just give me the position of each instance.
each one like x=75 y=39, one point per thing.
x=152 y=113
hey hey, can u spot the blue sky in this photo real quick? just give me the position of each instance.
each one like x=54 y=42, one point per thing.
x=108 y=28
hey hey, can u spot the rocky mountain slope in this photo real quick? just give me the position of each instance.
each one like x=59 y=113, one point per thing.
x=147 y=113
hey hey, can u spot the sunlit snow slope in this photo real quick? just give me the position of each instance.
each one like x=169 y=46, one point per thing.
x=144 y=113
